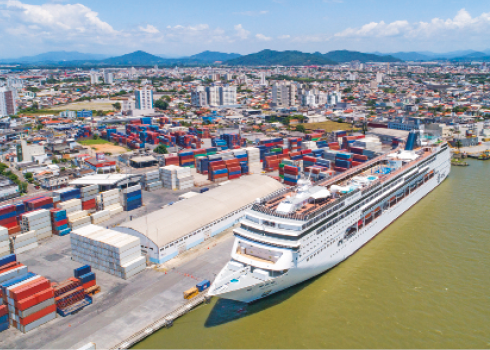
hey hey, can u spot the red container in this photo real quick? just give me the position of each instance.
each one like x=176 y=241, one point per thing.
x=4 y=222
x=309 y=159
x=232 y=177
x=234 y=168
x=3 y=310
x=61 y=223
x=29 y=289
x=7 y=209
x=37 y=315
x=35 y=299
x=291 y=170
x=306 y=151
x=6 y=267
x=88 y=285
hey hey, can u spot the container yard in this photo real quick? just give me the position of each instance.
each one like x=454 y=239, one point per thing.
x=99 y=242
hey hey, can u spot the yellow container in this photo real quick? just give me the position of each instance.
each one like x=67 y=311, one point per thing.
x=191 y=293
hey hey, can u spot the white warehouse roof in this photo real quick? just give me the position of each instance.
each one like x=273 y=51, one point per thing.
x=183 y=217
x=101 y=179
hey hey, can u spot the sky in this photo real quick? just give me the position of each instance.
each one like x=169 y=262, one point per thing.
x=185 y=27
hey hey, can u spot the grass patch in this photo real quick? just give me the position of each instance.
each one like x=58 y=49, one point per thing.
x=93 y=142
x=328 y=126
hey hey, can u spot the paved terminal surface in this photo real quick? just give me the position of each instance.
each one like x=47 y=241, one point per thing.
x=122 y=307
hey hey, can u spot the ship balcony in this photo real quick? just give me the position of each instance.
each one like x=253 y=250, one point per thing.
x=261 y=256
x=258 y=236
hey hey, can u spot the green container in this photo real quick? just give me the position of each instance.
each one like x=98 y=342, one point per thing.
x=276 y=150
x=281 y=176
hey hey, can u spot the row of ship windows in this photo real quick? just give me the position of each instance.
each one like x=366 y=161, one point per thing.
x=205 y=227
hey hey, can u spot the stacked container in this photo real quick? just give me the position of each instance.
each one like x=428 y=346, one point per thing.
x=88 y=196
x=291 y=175
x=23 y=242
x=253 y=156
x=39 y=221
x=171 y=159
x=68 y=193
x=4 y=242
x=59 y=222
x=39 y=203
x=111 y=202
x=28 y=297
x=218 y=171
x=175 y=177
x=8 y=218
x=186 y=159
x=110 y=251
x=132 y=198
x=78 y=219
x=152 y=181
x=67 y=294
x=71 y=205
x=100 y=216
x=109 y=198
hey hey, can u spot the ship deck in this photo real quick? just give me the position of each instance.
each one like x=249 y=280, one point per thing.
x=367 y=169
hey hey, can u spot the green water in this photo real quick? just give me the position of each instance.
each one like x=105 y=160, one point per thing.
x=424 y=282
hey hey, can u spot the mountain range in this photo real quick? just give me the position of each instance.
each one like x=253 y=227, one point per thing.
x=461 y=55
x=262 y=58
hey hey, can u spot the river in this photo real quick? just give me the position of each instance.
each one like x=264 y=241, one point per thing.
x=424 y=282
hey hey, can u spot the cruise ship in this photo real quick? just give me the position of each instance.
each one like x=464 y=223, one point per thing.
x=306 y=230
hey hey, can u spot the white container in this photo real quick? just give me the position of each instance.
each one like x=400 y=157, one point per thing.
x=77 y=215
x=37 y=323
x=26 y=248
x=20 y=271
x=131 y=189
x=25 y=236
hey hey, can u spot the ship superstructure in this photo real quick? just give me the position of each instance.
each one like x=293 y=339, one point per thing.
x=303 y=231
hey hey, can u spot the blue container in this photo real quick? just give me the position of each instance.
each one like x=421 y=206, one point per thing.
x=4 y=319
x=133 y=195
x=14 y=281
x=133 y=198
x=64 y=232
x=80 y=271
x=4 y=326
x=62 y=227
x=203 y=285
x=87 y=277
x=7 y=259
x=344 y=155
x=204 y=189
x=8 y=215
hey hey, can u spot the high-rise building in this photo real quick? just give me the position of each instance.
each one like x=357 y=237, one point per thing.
x=214 y=96
x=108 y=78
x=199 y=97
x=283 y=95
x=144 y=98
x=227 y=95
x=212 y=93
x=379 y=77
x=94 y=78
x=7 y=102
x=263 y=82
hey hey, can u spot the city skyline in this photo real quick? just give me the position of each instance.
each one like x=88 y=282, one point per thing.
x=188 y=27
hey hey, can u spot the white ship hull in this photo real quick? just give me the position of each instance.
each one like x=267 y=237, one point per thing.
x=326 y=258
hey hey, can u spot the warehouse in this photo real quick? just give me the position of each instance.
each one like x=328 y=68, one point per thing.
x=168 y=232
x=108 y=181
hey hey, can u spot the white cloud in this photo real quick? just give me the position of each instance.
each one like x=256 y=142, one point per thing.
x=53 y=19
x=262 y=37
x=251 y=13
x=241 y=32
x=284 y=37
x=333 y=1
x=461 y=24
x=149 y=29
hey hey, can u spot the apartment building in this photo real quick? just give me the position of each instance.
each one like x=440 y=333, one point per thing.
x=283 y=95
x=144 y=98
x=7 y=102
x=214 y=96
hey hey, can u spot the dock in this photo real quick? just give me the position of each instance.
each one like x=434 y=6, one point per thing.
x=166 y=321
x=125 y=311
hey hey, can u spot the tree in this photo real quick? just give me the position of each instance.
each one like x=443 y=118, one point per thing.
x=160 y=149
x=117 y=106
x=161 y=104
x=300 y=128
x=95 y=137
